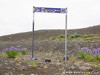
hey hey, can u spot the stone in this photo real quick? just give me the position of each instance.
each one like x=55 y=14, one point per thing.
x=78 y=63
x=10 y=73
x=67 y=57
x=23 y=67
x=5 y=63
x=0 y=65
x=63 y=73
x=87 y=64
x=8 y=68
x=32 y=74
x=85 y=68
x=6 y=73
x=14 y=69
x=72 y=67
x=47 y=60
x=45 y=67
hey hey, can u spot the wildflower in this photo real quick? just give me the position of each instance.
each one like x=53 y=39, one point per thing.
x=90 y=51
x=84 y=48
x=95 y=51
x=12 y=51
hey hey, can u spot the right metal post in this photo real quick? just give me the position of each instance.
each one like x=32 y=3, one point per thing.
x=66 y=38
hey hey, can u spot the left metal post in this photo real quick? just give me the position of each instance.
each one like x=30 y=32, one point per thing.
x=33 y=35
x=66 y=50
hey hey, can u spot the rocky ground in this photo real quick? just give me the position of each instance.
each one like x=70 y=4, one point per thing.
x=54 y=50
x=47 y=49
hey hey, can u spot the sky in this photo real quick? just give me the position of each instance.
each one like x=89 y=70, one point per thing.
x=17 y=15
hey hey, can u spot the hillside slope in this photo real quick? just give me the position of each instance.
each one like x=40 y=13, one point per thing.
x=43 y=34
x=88 y=30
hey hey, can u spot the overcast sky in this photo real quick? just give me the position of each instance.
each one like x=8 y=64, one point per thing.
x=16 y=15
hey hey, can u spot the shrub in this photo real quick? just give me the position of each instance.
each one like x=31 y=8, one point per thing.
x=32 y=62
x=72 y=37
x=62 y=36
x=24 y=52
x=89 y=55
x=81 y=54
x=98 y=57
x=12 y=52
x=77 y=35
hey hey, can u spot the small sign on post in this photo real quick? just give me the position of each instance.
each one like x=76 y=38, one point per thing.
x=51 y=10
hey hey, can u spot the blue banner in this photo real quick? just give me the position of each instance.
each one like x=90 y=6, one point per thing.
x=49 y=10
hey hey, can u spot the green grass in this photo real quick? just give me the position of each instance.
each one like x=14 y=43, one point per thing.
x=88 y=57
x=81 y=54
x=4 y=55
x=75 y=36
x=32 y=63
x=73 y=58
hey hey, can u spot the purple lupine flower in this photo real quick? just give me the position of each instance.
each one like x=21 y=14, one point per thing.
x=12 y=48
x=85 y=49
x=7 y=50
x=18 y=49
x=95 y=51
x=90 y=51
x=98 y=50
x=22 y=49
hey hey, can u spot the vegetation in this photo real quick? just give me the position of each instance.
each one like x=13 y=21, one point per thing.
x=75 y=36
x=32 y=62
x=88 y=54
x=13 y=52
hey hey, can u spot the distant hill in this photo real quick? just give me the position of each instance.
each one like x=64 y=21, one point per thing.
x=42 y=34
x=88 y=30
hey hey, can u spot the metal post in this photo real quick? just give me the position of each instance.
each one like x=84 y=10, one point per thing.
x=65 y=37
x=33 y=35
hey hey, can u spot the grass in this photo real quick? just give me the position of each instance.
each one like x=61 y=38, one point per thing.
x=32 y=63
x=4 y=55
x=88 y=57
x=72 y=59
x=74 y=36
